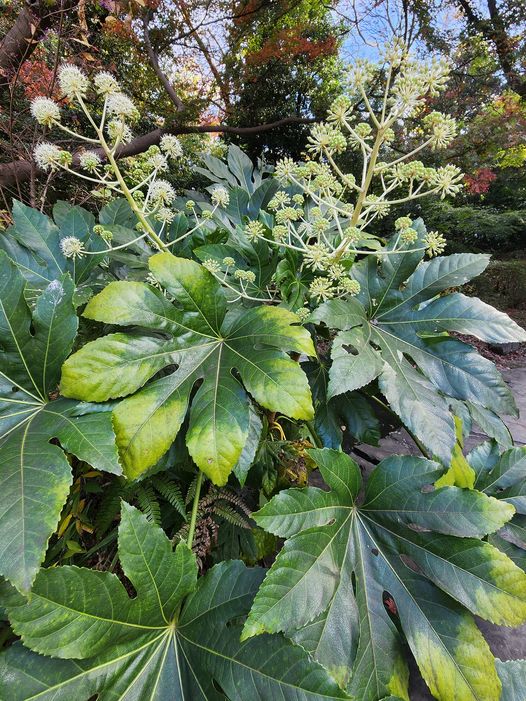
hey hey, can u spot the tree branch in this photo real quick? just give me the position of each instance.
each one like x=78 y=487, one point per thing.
x=23 y=37
x=20 y=171
x=174 y=97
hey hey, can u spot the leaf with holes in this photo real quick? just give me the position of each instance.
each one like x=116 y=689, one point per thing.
x=227 y=355
x=35 y=475
x=408 y=554
x=175 y=640
x=396 y=331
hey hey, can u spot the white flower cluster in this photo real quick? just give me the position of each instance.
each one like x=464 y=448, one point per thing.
x=90 y=161
x=105 y=84
x=161 y=192
x=119 y=105
x=45 y=111
x=171 y=146
x=73 y=82
x=49 y=157
x=72 y=247
x=220 y=197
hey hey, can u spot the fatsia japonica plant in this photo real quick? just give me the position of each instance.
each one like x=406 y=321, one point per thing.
x=184 y=381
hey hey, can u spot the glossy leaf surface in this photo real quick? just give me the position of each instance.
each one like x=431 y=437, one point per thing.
x=175 y=640
x=226 y=354
x=408 y=552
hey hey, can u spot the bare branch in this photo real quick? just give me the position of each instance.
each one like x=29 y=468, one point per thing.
x=174 y=97
x=20 y=171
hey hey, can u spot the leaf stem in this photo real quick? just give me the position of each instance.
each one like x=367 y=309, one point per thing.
x=193 y=517
x=314 y=434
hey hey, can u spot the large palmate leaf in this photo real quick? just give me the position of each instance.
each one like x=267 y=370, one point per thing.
x=196 y=341
x=395 y=331
x=35 y=475
x=238 y=171
x=411 y=547
x=157 y=645
x=503 y=476
x=33 y=242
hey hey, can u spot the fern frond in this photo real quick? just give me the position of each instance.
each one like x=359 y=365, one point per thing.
x=109 y=507
x=148 y=503
x=231 y=515
x=170 y=491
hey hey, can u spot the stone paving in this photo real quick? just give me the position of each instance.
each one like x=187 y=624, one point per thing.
x=505 y=643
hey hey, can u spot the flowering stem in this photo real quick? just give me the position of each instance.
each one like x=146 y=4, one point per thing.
x=195 y=505
x=125 y=191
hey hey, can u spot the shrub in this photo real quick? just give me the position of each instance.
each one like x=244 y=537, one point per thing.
x=200 y=392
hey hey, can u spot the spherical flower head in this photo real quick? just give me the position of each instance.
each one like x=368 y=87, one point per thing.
x=360 y=73
x=364 y=130
x=73 y=82
x=165 y=215
x=326 y=138
x=288 y=214
x=98 y=229
x=327 y=181
x=349 y=179
x=405 y=172
x=220 y=197
x=254 y=230
x=380 y=207
x=321 y=289
x=443 y=129
x=435 y=243
x=107 y=235
x=90 y=161
x=436 y=75
x=212 y=266
x=71 y=247
x=340 y=110
x=409 y=235
x=118 y=131
x=303 y=314
x=285 y=168
x=65 y=158
x=402 y=223
x=228 y=261
x=120 y=105
x=280 y=233
x=47 y=156
x=317 y=256
x=157 y=162
x=394 y=52
x=280 y=199
x=245 y=275
x=161 y=192
x=407 y=94
x=105 y=83
x=190 y=204
x=171 y=146
x=388 y=136
x=207 y=214
x=45 y=111
x=353 y=234
x=320 y=225
x=298 y=199
x=349 y=286
x=336 y=272
x=448 y=180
